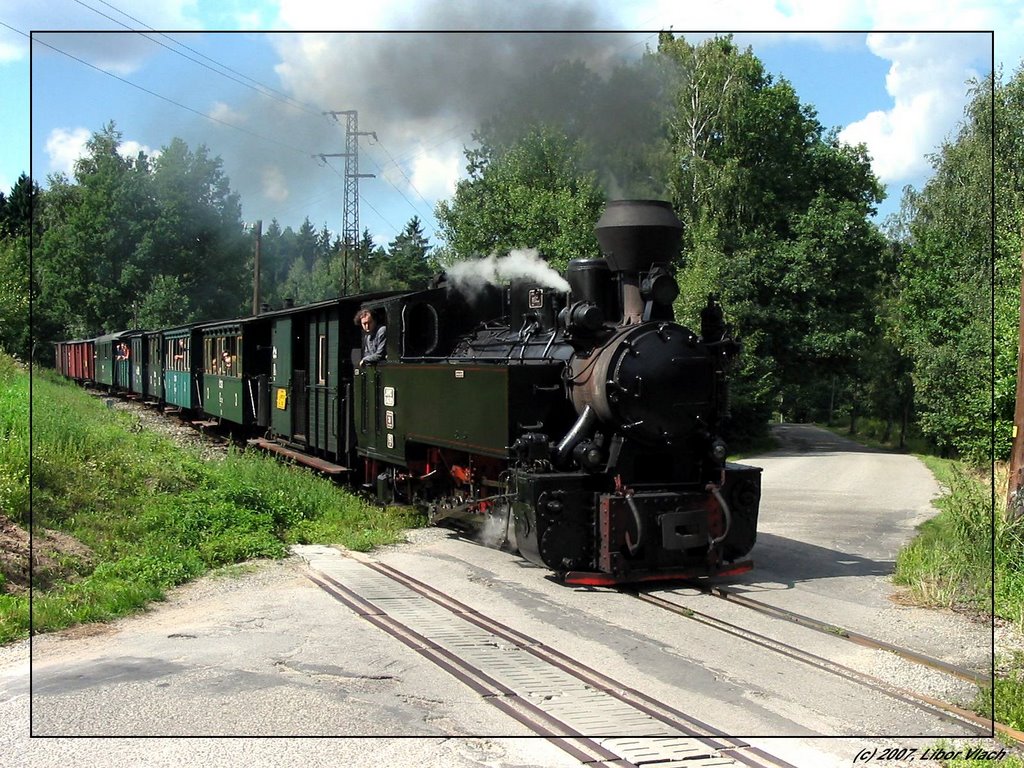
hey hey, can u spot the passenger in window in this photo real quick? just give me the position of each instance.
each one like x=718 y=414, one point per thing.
x=226 y=358
x=374 y=337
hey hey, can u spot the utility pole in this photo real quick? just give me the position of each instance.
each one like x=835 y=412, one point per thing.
x=256 y=269
x=350 y=203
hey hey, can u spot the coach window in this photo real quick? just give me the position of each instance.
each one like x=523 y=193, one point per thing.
x=227 y=355
x=236 y=352
x=177 y=354
x=321 y=360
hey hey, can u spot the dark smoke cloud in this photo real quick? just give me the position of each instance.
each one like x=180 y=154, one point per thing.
x=420 y=89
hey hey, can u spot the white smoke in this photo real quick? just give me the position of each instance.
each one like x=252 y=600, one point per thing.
x=498 y=531
x=521 y=264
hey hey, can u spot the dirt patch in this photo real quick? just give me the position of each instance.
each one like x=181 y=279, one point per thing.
x=55 y=557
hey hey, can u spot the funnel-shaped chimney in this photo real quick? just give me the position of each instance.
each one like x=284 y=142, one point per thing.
x=634 y=234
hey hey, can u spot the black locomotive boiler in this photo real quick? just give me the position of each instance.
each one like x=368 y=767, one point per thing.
x=584 y=425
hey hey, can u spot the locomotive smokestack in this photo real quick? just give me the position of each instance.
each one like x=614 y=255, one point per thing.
x=634 y=235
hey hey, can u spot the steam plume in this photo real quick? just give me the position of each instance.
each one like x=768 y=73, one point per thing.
x=521 y=264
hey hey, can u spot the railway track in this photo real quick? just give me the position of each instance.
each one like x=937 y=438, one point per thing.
x=589 y=715
x=942 y=709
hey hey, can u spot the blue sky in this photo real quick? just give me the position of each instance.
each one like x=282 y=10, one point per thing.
x=255 y=99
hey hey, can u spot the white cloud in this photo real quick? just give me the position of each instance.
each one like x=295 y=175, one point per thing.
x=131 y=149
x=64 y=146
x=927 y=81
x=434 y=175
x=225 y=114
x=757 y=15
x=275 y=187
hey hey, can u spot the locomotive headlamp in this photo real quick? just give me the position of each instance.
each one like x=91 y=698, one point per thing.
x=659 y=287
x=582 y=317
x=719 y=450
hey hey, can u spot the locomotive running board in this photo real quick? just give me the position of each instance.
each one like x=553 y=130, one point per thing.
x=596 y=579
x=300 y=458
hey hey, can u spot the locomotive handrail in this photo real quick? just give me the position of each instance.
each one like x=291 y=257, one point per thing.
x=726 y=512
x=634 y=547
x=551 y=341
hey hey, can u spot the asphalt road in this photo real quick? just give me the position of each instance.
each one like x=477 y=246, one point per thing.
x=267 y=655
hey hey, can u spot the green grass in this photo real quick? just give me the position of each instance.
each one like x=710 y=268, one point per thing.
x=961 y=750
x=14 y=491
x=1009 y=696
x=154 y=514
x=949 y=563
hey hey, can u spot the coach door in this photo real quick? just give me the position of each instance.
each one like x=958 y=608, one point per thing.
x=322 y=373
x=154 y=367
x=281 y=377
x=137 y=363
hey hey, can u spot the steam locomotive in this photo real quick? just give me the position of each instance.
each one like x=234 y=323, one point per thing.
x=588 y=422
x=581 y=427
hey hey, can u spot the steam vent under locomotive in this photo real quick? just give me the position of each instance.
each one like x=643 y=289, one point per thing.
x=588 y=422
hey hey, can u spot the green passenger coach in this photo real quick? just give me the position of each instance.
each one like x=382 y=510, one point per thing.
x=222 y=383
x=180 y=383
x=233 y=382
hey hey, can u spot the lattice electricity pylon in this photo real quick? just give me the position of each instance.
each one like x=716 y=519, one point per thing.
x=350 y=202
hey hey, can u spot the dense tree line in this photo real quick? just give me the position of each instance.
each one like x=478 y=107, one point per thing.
x=839 y=320
x=17 y=236
x=311 y=265
x=137 y=242
x=775 y=210
x=953 y=305
x=151 y=242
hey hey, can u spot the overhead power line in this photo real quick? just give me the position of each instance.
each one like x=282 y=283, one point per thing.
x=178 y=104
x=260 y=88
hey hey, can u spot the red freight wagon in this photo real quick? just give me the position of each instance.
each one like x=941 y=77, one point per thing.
x=75 y=359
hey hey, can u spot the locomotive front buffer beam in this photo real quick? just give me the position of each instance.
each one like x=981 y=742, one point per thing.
x=565 y=523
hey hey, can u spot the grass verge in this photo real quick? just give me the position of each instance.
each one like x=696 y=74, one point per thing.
x=151 y=513
x=950 y=564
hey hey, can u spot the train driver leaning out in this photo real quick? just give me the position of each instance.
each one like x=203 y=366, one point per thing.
x=374 y=337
